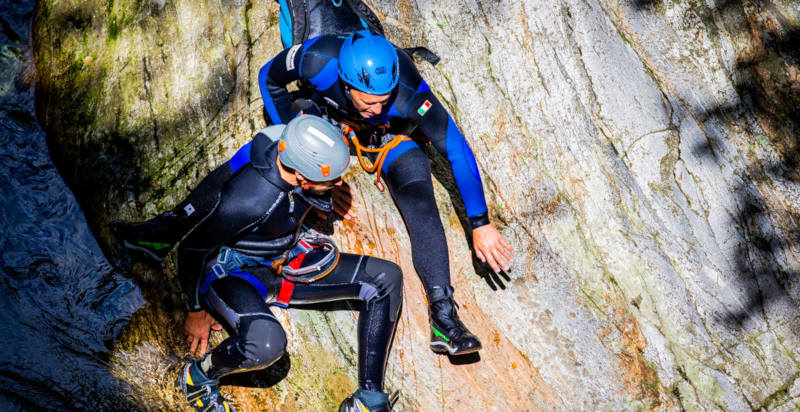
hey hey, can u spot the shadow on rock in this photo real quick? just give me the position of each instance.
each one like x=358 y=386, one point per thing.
x=767 y=83
x=495 y=280
x=262 y=378
x=440 y=169
x=467 y=359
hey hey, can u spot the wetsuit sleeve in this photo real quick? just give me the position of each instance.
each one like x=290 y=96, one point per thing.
x=437 y=125
x=241 y=205
x=201 y=201
x=283 y=69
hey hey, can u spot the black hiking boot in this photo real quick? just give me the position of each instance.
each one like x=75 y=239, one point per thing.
x=201 y=391
x=359 y=401
x=448 y=334
x=154 y=237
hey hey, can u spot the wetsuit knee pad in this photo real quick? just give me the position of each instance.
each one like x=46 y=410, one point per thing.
x=388 y=283
x=263 y=340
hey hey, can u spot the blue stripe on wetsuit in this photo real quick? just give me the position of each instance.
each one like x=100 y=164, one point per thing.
x=396 y=152
x=462 y=163
x=326 y=77
x=309 y=42
x=393 y=112
x=306 y=45
x=241 y=158
x=423 y=87
x=407 y=145
x=465 y=170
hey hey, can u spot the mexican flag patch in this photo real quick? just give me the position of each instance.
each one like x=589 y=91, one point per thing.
x=423 y=108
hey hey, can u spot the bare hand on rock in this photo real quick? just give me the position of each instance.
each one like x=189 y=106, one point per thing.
x=492 y=248
x=197 y=326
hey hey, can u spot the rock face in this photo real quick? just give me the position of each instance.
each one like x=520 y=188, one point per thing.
x=642 y=157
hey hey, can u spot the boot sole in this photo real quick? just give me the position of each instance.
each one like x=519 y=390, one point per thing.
x=182 y=384
x=443 y=348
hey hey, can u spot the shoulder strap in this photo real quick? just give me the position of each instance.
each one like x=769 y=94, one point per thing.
x=367 y=15
x=298 y=14
x=423 y=53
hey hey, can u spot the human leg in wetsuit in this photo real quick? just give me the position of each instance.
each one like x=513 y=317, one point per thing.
x=239 y=302
x=408 y=177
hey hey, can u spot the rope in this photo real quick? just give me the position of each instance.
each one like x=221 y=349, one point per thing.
x=381 y=151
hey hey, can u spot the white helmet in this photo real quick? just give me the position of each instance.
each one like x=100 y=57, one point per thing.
x=315 y=148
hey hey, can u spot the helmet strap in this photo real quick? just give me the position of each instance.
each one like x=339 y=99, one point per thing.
x=349 y=96
x=301 y=180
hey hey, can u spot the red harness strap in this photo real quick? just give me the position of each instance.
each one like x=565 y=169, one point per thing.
x=285 y=294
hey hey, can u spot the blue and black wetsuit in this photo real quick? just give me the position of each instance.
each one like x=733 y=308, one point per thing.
x=406 y=169
x=247 y=207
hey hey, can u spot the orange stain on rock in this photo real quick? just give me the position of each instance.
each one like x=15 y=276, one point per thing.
x=641 y=380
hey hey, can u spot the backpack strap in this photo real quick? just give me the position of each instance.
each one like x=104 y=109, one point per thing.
x=367 y=15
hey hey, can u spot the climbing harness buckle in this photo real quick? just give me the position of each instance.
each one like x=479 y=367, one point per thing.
x=313 y=258
x=219 y=271
x=224 y=255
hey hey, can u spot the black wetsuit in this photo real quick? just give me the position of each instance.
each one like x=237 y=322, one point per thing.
x=258 y=214
x=406 y=169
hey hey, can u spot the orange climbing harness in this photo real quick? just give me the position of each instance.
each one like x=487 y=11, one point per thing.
x=381 y=151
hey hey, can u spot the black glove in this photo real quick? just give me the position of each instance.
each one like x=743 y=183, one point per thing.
x=306 y=106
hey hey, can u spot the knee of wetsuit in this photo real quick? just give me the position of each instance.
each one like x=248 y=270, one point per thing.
x=263 y=341
x=390 y=280
x=389 y=283
x=410 y=167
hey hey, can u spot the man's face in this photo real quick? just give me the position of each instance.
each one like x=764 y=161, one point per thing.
x=368 y=105
x=324 y=186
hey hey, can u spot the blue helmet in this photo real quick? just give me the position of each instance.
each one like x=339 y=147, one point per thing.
x=368 y=62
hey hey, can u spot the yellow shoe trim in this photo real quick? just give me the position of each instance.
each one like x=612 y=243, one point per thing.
x=189 y=377
x=363 y=408
x=199 y=403
x=227 y=409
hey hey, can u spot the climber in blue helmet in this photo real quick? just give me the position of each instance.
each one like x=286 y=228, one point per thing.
x=366 y=83
x=369 y=64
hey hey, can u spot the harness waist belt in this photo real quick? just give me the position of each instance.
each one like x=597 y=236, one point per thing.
x=230 y=261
